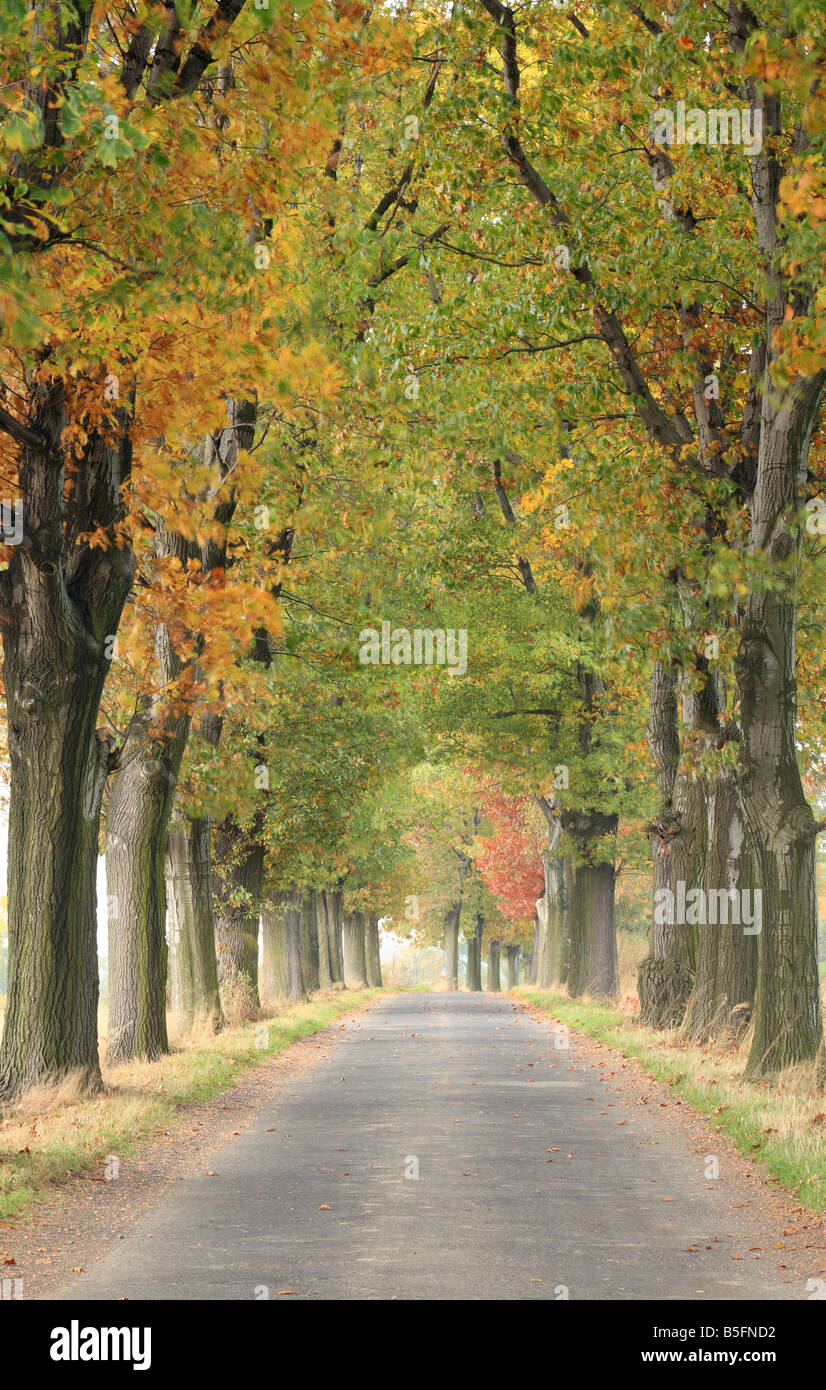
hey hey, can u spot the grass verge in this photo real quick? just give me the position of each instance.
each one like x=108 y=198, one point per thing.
x=50 y=1137
x=780 y=1126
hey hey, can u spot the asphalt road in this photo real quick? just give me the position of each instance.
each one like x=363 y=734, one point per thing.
x=537 y=1179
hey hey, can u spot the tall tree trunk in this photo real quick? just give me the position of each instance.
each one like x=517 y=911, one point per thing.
x=140 y=804
x=788 y=1026
x=58 y=769
x=60 y=601
x=470 y=969
x=512 y=950
x=679 y=859
x=327 y=909
x=292 y=928
x=325 y=974
x=593 y=951
x=355 y=964
x=452 y=946
x=193 y=963
x=274 y=975
x=665 y=976
x=531 y=957
x=553 y=933
x=474 y=954
x=372 y=952
x=494 y=956
x=280 y=976
x=309 y=940
x=334 y=920
x=237 y=888
x=723 y=995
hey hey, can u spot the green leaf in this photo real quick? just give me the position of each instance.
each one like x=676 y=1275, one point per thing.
x=23 y=131
x=70 y=119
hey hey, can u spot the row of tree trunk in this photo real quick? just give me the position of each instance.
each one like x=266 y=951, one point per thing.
x=307 y=941
x=707 y=969
x=473 y=967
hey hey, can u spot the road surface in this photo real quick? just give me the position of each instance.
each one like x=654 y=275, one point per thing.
x=447 y=1147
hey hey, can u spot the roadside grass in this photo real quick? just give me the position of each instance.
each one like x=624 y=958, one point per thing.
x=51 y=1135
x=781 y=1126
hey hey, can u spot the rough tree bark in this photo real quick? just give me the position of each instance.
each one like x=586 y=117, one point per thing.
x=292 y=929
x=452 y=946
x=325 y=971
x=141 y=797
x=61 y=603
x=372 y=952
x=473 y=970
x=274 y=974
x=309 y=939
x=193 y=966
x=494 y=956
x=723 y=995
x=666 y=975
x=355 y=963
x=237 y=890
x=334 y=921
x=592 y=966
x=788 y=1026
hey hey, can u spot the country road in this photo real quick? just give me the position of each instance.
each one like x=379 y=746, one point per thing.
x=538 y=1178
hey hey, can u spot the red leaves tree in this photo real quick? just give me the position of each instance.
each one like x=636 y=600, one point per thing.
x=509 y=860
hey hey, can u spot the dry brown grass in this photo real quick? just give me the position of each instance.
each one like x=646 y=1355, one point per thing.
x=52 y=1132
x=781 y=1125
